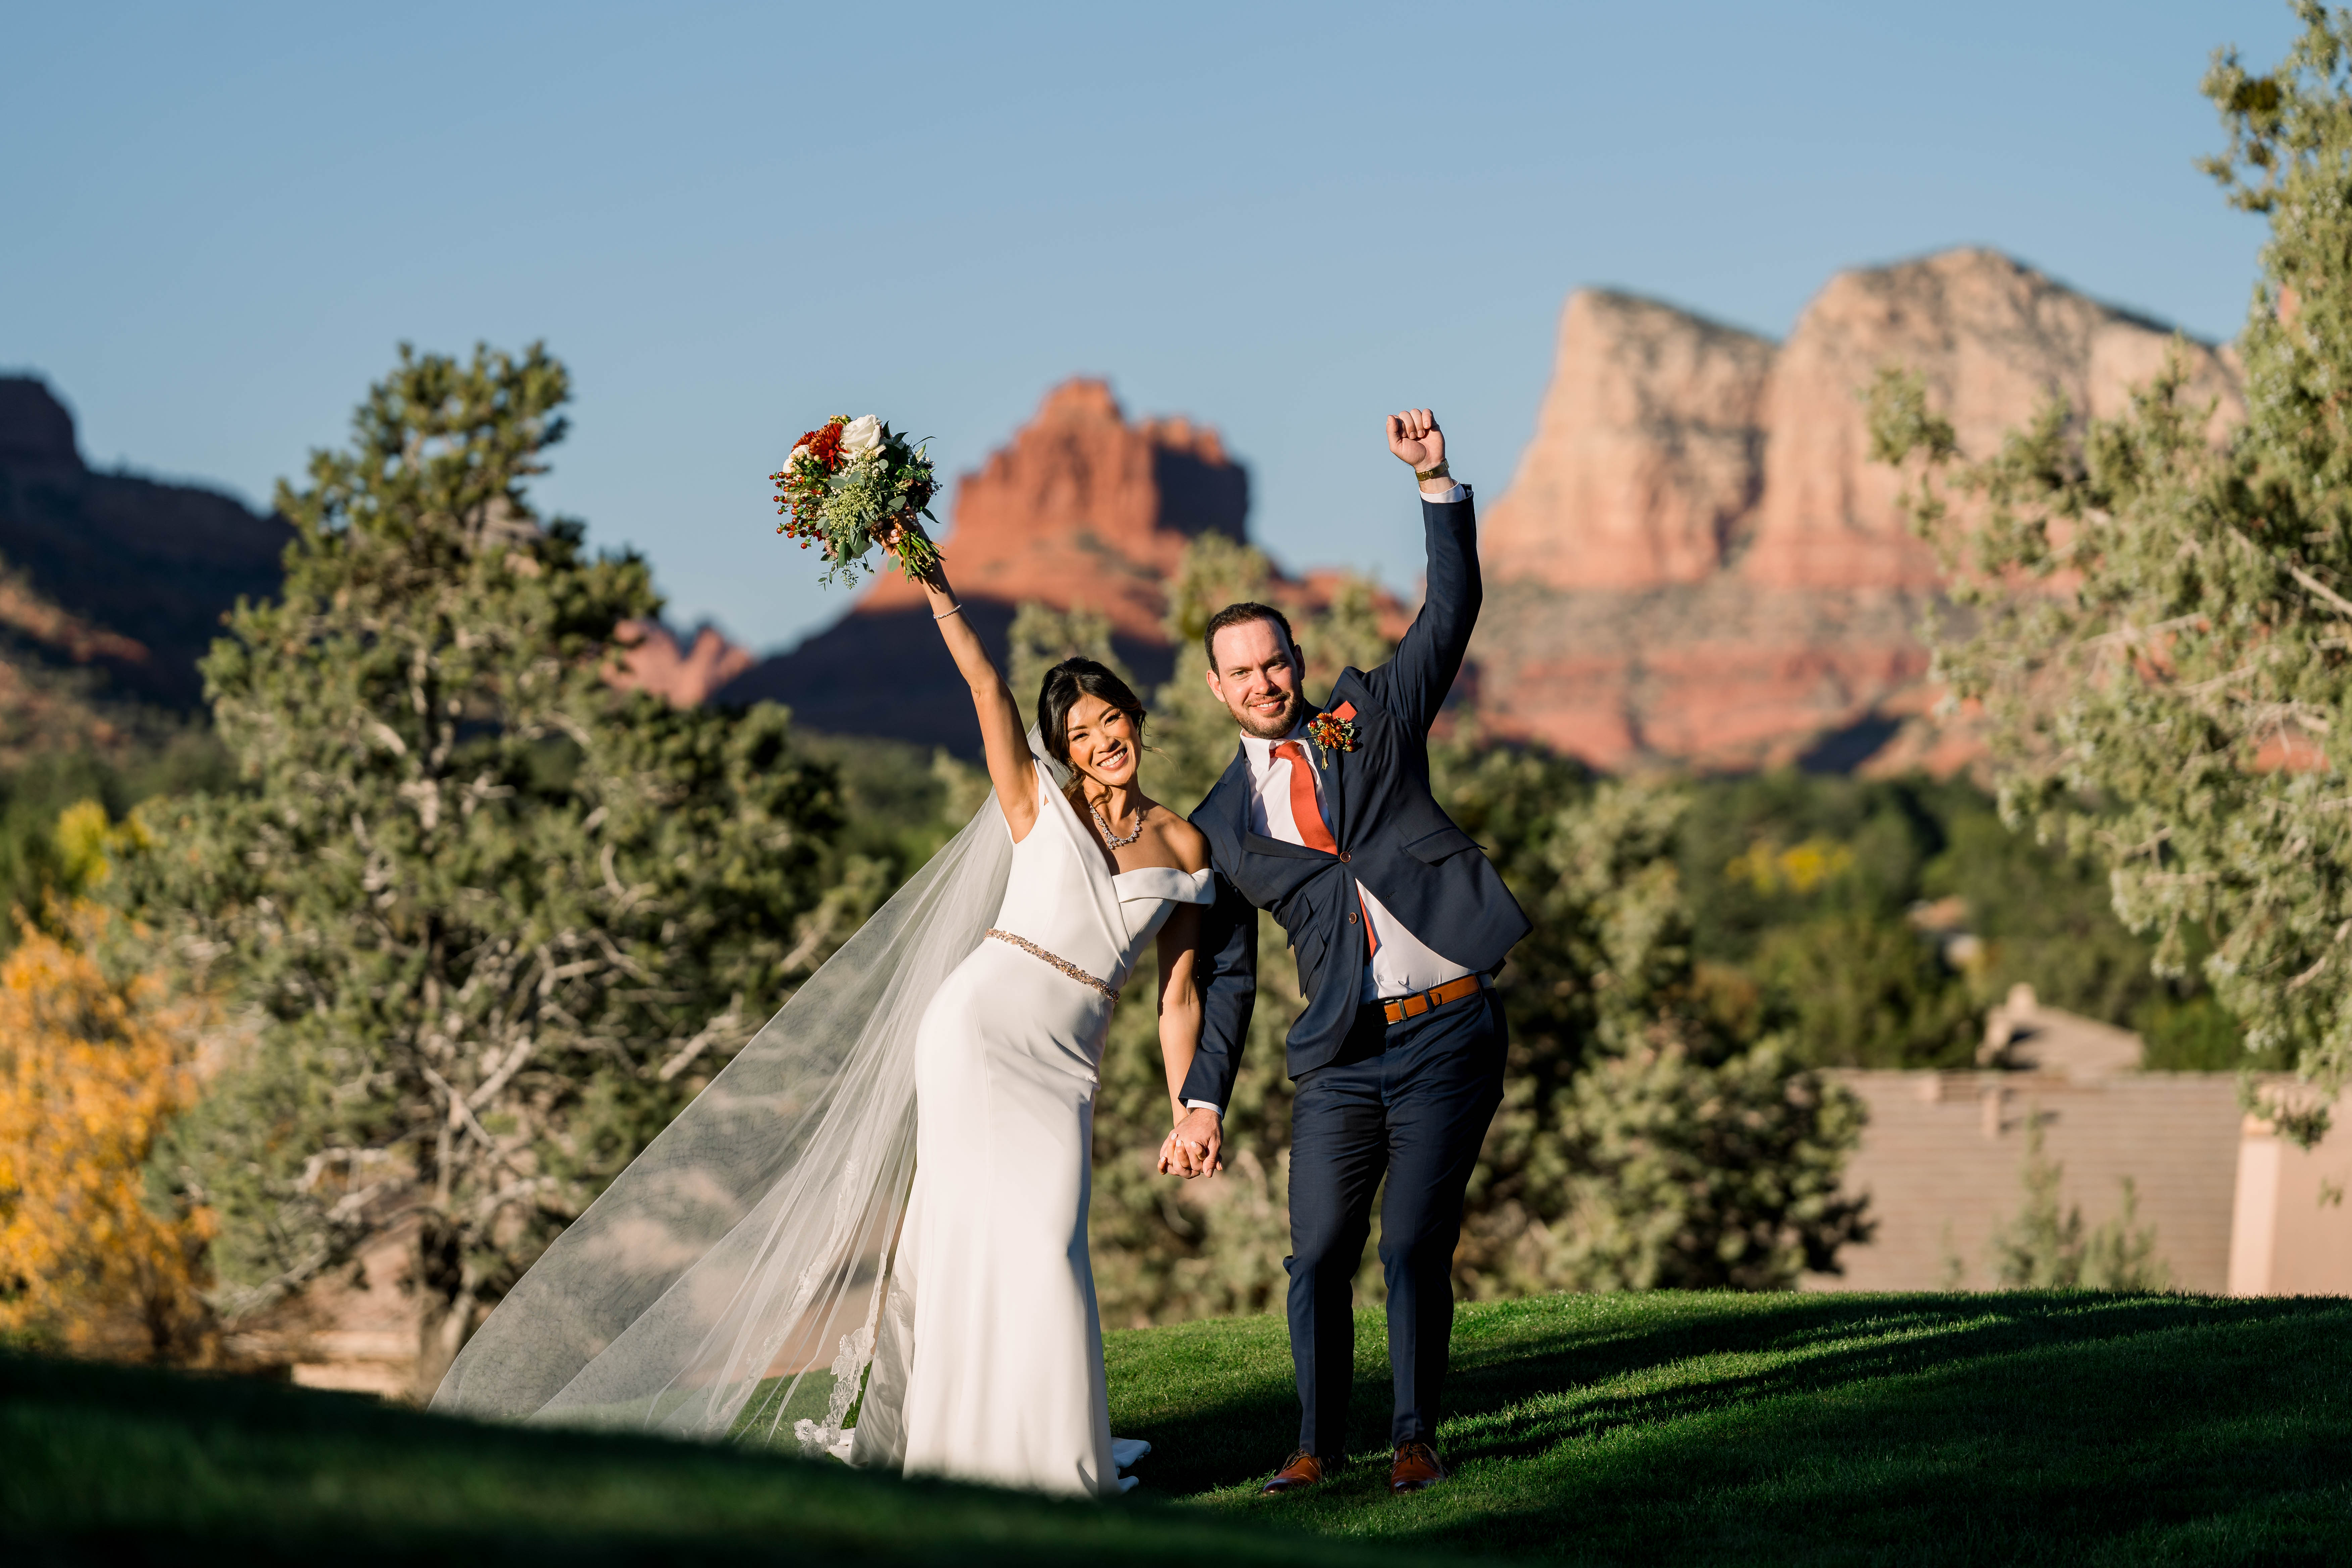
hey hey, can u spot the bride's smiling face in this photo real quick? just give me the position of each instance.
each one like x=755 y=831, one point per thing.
x=1102 y=742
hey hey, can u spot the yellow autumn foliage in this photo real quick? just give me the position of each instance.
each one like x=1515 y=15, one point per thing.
x=1800 y=869
x=92 y=1070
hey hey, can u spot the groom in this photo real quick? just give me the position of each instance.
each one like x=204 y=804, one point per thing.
x=1325 y=818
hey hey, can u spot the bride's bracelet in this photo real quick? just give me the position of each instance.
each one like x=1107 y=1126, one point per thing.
x=951 y=610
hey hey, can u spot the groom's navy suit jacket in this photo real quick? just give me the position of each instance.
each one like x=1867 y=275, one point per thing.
x=1391 y=837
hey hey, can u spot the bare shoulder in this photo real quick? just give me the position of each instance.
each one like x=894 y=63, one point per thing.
x=1186 y=842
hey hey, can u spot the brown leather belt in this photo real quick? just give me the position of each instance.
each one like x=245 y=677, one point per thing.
x=1421 y=1001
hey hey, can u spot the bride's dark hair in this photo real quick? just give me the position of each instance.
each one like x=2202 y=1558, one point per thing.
x=1064 y=684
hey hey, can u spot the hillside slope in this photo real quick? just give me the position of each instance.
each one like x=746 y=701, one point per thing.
x=124 y=577
x=1662 y=1428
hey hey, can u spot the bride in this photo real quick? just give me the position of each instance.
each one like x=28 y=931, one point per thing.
x=1003 y=1374
x=872 y=1225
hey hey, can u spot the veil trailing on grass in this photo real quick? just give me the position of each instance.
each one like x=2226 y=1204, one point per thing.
x=730 y=1280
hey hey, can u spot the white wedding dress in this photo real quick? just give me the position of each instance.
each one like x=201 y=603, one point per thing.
x=866 y=1235
x=989 y=1365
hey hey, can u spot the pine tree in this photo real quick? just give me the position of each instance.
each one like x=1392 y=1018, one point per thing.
x=2159 y=618
x=499 y=920
x=1652 y=1134
x=2045 y=1247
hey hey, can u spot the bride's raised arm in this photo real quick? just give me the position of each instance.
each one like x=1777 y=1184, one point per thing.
x=1010 y=767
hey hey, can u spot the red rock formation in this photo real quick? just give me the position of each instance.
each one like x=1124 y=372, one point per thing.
x=685 y=677
x=1696 y=561
x=1649 y=447
x=1673 y=585
x=1720 y=674
x=1081 y=509
x=1993 y=339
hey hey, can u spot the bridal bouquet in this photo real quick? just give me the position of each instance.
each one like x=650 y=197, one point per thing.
x=851 y=484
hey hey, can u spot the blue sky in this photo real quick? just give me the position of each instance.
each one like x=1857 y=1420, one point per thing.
x=1285 y=220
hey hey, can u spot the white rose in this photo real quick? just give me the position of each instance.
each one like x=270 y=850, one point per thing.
x=798 y=453
x=861 y=437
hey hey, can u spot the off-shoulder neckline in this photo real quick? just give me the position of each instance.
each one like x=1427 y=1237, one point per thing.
x=1192 y=882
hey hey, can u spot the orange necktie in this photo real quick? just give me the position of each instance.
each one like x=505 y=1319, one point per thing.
x=1304 y=812
x=1307 y=817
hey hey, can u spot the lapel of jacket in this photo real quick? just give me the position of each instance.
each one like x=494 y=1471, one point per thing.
x=1228 y=801
x=1335 y=774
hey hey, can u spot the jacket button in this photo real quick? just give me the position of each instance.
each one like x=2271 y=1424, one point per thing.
x=1351 y=917
x=1343 y=854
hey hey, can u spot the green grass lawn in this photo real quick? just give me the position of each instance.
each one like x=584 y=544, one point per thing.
x=1816 y=1430
x=1660 y=1429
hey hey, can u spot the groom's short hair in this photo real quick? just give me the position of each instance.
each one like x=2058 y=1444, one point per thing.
x=1240 y=615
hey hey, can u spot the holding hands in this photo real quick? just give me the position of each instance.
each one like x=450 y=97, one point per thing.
x=1194 y=1146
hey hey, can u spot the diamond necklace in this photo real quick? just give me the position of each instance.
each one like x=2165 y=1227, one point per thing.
x=1113 y=839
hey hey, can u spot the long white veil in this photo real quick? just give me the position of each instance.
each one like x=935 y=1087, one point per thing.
x=729 y=1281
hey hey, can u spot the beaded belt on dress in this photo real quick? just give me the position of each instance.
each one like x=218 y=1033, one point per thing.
x=1064 y=964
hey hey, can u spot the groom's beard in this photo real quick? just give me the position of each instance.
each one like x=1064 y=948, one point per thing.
x=1272 y=729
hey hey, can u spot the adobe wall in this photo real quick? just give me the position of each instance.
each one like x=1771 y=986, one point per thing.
x=2292 y=1234
x=1943 y=1161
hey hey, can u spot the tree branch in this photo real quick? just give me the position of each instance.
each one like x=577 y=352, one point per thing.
x=726 y=1023
x=460 y=1114
x=2322 y=591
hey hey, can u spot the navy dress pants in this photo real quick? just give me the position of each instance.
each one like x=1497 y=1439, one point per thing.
x=1411 y=1100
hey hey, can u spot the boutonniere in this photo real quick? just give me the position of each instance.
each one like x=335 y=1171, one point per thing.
x=1333 y=731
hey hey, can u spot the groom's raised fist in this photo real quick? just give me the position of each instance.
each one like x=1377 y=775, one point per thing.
x=1414 y=438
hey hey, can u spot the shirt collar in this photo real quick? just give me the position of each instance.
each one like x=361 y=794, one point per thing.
x=1261 y=751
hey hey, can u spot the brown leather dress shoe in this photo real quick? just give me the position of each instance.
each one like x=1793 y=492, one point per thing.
x=1417 y=1467
x=1300 y=1472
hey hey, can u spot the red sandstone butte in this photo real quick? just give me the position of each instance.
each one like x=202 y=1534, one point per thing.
x=1649 y=438
x=1082 y=508
x=1994 y=339
x=1697 y=563
x=682 y=677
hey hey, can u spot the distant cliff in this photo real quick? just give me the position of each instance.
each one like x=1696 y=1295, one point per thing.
x=125 y=578
x=1697 y=563
x=112 y=587
x=683 y=671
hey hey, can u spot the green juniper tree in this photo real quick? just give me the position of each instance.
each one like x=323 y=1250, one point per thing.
x=1653 y=1131
x=1042 y=637
x=2045 y=1246
x=496 y=919
x=2161 y=627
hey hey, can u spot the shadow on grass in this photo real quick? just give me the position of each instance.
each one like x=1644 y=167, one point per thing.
x=1832 y=1428
x=1513 y=1402
x=1663 y=1428
x=106 y=1464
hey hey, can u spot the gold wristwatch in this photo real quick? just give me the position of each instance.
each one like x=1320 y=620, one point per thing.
x=1439 y=472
